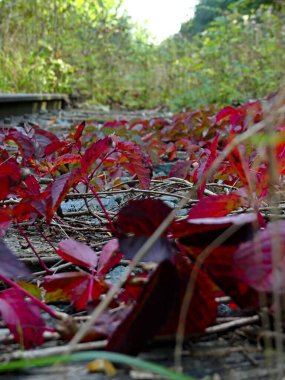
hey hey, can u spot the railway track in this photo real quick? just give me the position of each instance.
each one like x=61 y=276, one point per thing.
x=55 y=112
x=19 y=104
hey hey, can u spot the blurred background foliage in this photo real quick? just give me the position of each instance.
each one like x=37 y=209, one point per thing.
x=230 y=51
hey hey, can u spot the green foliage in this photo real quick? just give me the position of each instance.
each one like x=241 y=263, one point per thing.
x=91 y=48
x=207 y=11
x=239 y=57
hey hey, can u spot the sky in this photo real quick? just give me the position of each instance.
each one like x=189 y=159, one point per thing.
x=162 y=17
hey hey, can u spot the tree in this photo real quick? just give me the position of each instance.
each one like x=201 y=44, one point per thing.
x=208 y=10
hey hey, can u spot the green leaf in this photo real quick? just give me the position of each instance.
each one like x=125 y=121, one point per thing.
x=91 y=355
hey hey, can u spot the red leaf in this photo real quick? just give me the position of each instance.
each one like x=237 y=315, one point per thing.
x=10 y=177
x=200 y=232
x=148 y=314
x=98 y=149
x=24 y=143
x=79 y=287
x=42 y=139
x=115 y=124
x=32 y=187
x=221 y=268
x=238 y=116
x=216 y=206
x=24 y=211
x=22 y=317
x=109 y=257
x=10 y=266
x=59 y=188
x=36 y=202
x=240 y=164
x=226 y=112
x=5 y=188
x=253 y=261
x=79 y=131
x=68 y=158
x=181 y=169
x=77 y=253
x=202 y=310
x=138 y=162
x=160 y=250
x=205 y=167
x=141 y=217
x=54 y=147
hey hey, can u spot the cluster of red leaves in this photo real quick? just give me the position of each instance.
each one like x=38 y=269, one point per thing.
x=232 y=254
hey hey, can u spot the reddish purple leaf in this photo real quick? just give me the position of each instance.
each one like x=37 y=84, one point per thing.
x=55 y=147
x=161 y=250
x=115 y=124
x=220 y=266
x=205 y=167
x=181 y=169
x=80 y=288
x=10 y=266
x=59 y=188
x=25 y=211
x=22 y=317
x=239 y=161
x=97 y=150
x=42 y=139
x=77 y=253
x=254 y=263
x=200 y=232
x=141 y=217
x=79 y=131
x=216 y=206
x=202 y=310
x=148 y=314
x=10 y=178
x=136 y=161
x=68 y=158
x=24 y=143
x=5 y=188
x=109 y=257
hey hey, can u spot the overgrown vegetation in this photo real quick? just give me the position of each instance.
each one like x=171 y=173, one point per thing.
x=225 y=245
x=92 y=49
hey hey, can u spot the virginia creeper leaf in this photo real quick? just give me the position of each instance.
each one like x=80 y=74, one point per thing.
x=200 y=232
x=77 y=253
x=202 y=310
x=97 y=150
x=80 y=288
x=160 y=250
x=254 y=263
x=216 y=206
x=22 y=317
x=59 y=188
x=79 y=131
x=148 y=314
x=220 y=266
x=137 y=161
x=10 y=266
x=141 y=217
x=109 y=257
x=24 y=143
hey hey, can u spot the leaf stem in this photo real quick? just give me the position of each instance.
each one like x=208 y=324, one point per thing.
x=39 y=303
x=34 y=251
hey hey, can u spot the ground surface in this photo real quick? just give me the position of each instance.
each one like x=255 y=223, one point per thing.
x=231 y=353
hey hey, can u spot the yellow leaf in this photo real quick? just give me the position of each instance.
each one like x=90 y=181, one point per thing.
x=102 y=366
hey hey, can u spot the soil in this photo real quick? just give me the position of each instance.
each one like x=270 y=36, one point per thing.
x=233 y=353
